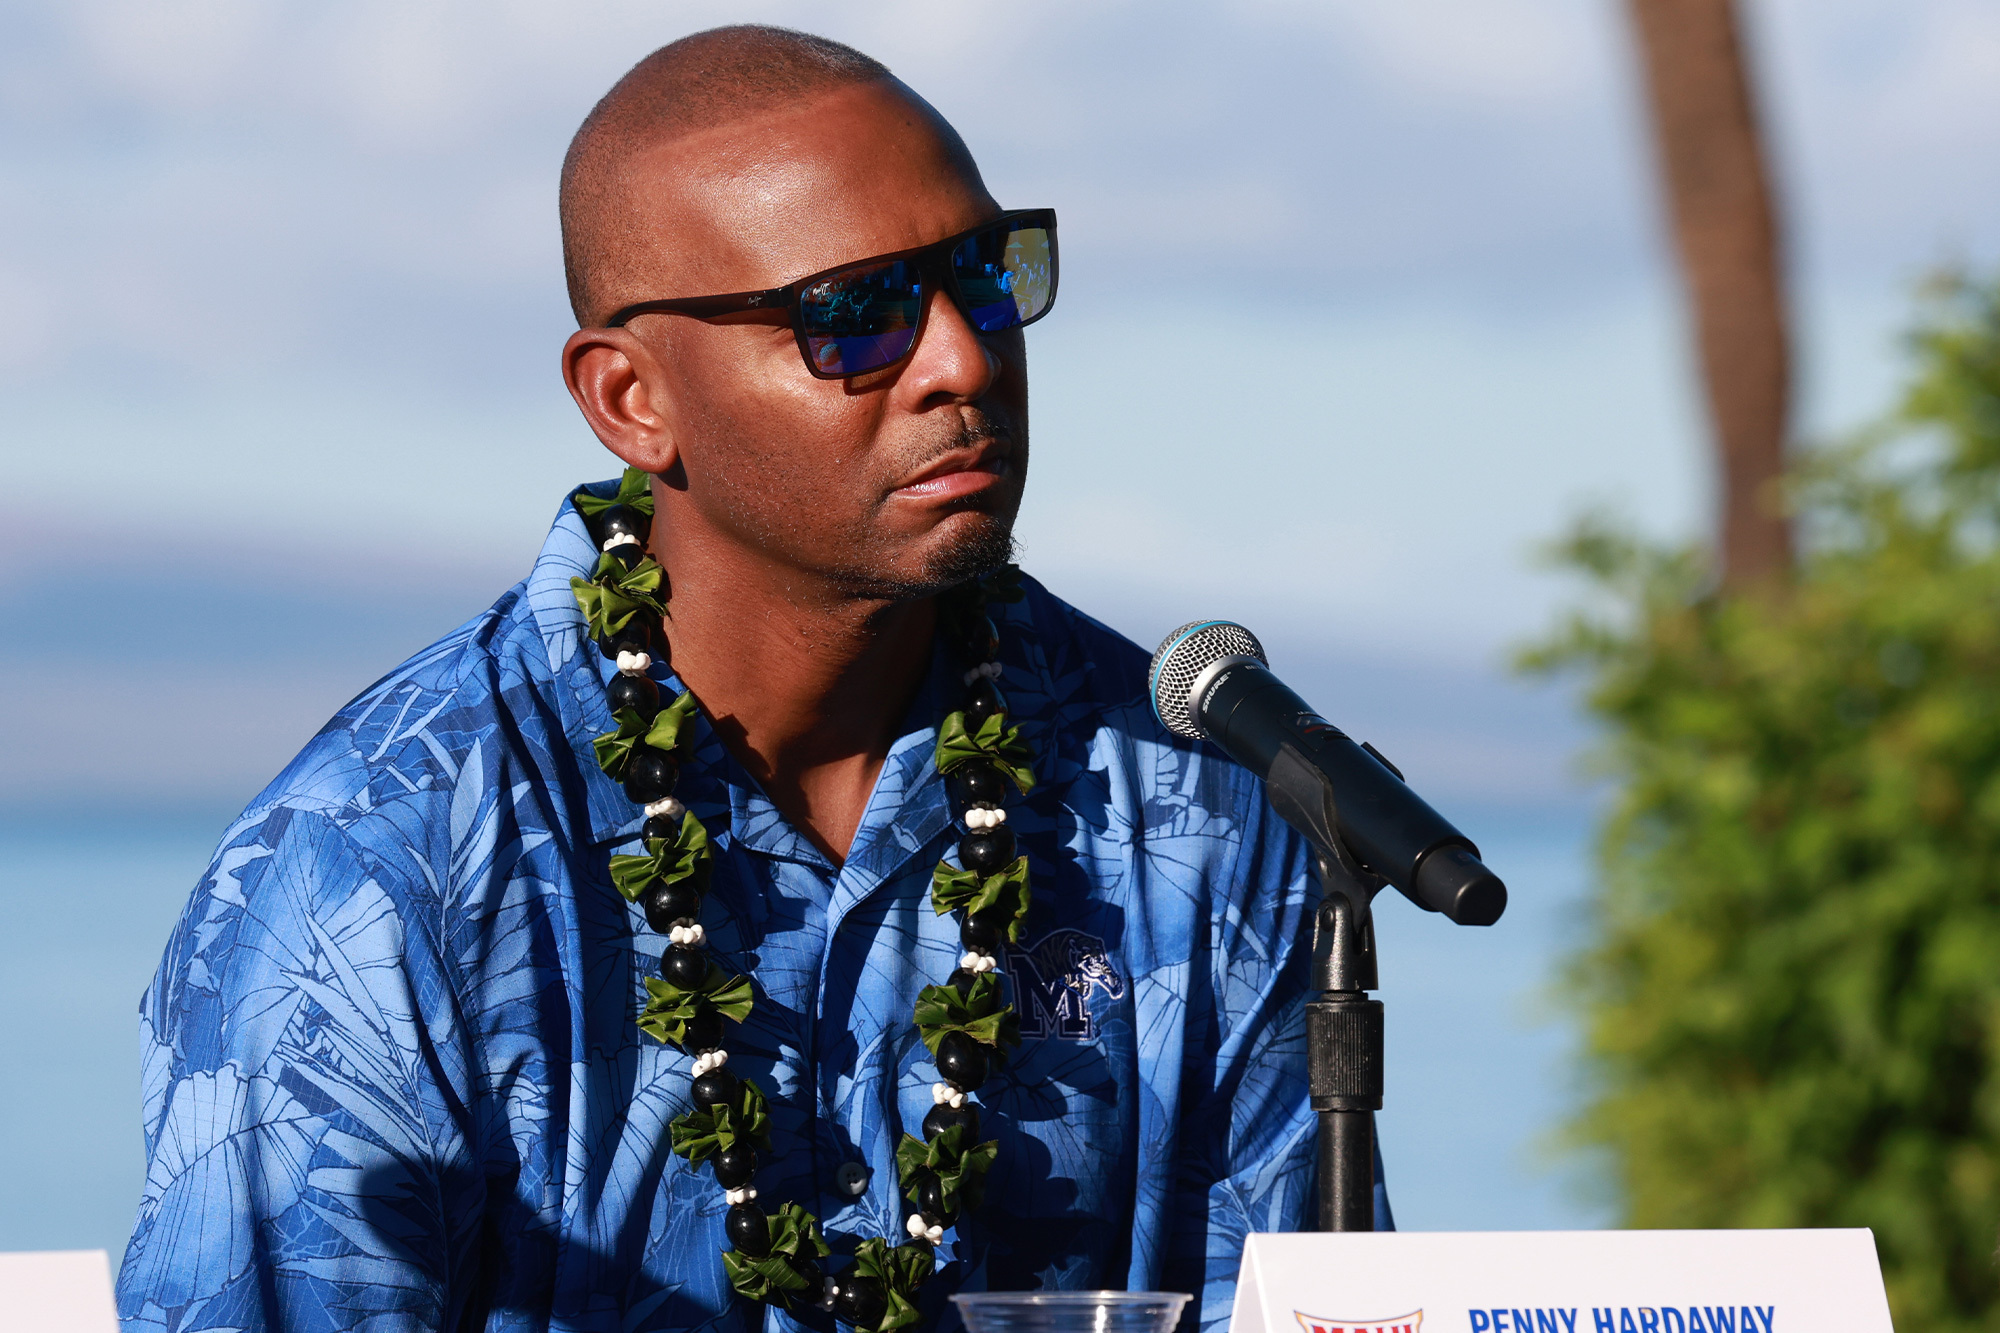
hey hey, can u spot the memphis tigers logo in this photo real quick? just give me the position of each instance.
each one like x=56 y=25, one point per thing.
x=1053 y=978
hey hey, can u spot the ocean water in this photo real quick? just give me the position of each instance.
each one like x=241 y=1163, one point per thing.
x=88 y=905
x=1478 y=1054
x=1475 y=1069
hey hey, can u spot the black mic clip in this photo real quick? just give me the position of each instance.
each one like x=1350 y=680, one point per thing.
x=1344 y=933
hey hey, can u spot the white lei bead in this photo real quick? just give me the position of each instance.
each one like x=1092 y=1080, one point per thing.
x=935 y=1235
x=944 y=1094
x=618 y=539
x=687 y=932
x=709 y=1060
x=982 y=817
x=744 y=1195
x=668 y=808
x=634 y=664
x=975 y=962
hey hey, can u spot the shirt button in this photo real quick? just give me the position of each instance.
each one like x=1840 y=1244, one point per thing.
x=851 y=1179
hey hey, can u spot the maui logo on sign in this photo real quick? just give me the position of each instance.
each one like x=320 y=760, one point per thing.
x=1053 y=979
x=1402 y=1323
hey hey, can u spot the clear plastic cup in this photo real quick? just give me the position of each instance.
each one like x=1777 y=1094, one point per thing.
x=1070 y=1311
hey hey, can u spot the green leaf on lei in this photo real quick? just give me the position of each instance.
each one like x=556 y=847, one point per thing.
x=635 y=489
x=613 y=594
x=960 y=1168
x=670 y=722
x=1007 y=890
x=980 y=1013
x=786 y=1271
x=902 y=1271
x=699 y=1135
x=995 y=742
x=671 y=1008
x=664 y=732
x=614 y=748
x=667 y=860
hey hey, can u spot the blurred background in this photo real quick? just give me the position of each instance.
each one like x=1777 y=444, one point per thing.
x=1362 y=304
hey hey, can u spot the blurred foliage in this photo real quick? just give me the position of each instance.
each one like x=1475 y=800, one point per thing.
x=1791 y=993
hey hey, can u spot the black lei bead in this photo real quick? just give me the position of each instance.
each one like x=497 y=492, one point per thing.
x=860 y=1301
x=659 y=826
x=717 y=1087
x=961 y=980
x=941 y=1118
x=930 y=1202
x=703 y=1032
x=996 y=919
x=748 y=1229
x=668 y=903
x=977 y=784
x=734 y=1166
x=650 y=775
x=987 y=852
x=982 y=701
x=980 y=934
x=637 y=693
x=962 y=1061
x=638 y=635
x=686 y=968
x=625 y=519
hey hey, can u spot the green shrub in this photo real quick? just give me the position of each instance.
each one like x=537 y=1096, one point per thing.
x=1790 y=997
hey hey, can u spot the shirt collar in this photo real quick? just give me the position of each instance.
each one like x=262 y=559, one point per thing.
x=575 y=663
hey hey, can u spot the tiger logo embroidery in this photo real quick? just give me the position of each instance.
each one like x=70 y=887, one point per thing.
x=1053 y=979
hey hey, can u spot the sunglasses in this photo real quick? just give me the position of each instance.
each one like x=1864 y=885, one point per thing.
x=868 y=315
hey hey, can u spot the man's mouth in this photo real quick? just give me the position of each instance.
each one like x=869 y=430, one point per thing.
x=966 y=472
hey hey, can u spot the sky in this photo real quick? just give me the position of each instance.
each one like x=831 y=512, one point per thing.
x=1362 y=304
x=1360 y=301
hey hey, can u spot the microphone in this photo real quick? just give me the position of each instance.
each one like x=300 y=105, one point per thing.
x=1211 y=681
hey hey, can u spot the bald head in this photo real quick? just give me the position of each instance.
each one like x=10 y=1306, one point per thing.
x=699 y=83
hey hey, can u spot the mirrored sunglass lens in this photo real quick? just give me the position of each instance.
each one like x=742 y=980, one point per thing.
x=1007 y=275
x=861 y=319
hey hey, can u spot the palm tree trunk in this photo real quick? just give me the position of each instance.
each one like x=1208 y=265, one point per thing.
x=1725 y=229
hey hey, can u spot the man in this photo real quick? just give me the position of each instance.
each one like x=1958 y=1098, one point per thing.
x=395 y=1070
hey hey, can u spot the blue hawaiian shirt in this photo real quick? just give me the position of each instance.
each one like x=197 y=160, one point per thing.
x=392 y=1079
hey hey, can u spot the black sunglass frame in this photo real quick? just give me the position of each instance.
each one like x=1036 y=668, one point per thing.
x=933 y=263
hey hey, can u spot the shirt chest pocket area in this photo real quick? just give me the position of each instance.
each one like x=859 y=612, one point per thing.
x=1064 y=1099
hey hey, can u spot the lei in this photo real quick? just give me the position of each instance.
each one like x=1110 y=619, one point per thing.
x=966 y=1024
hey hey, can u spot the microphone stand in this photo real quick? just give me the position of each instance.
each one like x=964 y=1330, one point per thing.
x=1344 y=1043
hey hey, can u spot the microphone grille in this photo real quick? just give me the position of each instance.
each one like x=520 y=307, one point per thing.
x=1182 y=657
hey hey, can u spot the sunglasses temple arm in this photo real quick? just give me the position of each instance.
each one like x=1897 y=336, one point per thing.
x=705 y=307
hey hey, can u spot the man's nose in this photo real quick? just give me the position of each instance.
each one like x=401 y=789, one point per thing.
x=951 y=362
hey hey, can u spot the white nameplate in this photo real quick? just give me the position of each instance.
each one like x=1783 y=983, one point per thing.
x=1562 y=1282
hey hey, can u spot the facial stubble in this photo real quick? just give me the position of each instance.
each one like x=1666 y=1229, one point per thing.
x=870 y=560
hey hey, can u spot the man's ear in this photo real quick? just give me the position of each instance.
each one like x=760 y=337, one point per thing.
x=612 y=376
